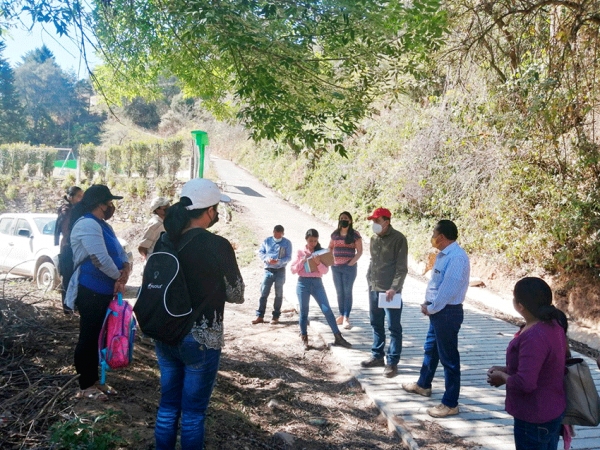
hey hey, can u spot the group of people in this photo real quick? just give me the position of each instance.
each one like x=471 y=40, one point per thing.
x=535 y=360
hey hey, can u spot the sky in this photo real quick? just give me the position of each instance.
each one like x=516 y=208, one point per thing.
x=18 y=42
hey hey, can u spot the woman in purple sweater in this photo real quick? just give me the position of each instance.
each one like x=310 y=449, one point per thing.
x=535 y=368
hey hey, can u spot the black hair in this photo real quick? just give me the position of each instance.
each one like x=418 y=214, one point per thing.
x=178 y=217
x=350 y=236
x=72 y=192
x=448 y=229
x=311 y=232
x=536 y=297
x=278 y=229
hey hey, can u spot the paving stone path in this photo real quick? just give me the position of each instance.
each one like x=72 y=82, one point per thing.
x=482 y=341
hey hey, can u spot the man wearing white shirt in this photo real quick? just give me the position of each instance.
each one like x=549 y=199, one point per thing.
x=443 y=304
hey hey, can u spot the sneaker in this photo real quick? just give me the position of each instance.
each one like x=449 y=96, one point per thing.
x=373 y=362
x=258 y=320
x=414 y=388
x=339 y=320
x=442 y=410
x=347 y=325
x=390 y=370
x=274 y=321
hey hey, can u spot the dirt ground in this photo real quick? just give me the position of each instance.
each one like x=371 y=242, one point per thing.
x=270 y=393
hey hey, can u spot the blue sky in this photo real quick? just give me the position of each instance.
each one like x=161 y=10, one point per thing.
x=18 y=42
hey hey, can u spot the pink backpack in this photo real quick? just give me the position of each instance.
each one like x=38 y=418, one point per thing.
x=115 y=343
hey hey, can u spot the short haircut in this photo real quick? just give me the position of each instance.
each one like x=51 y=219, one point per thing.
x=448 y=229
x=278 y=229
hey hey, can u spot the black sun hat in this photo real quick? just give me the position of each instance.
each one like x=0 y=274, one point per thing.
x=97 y=194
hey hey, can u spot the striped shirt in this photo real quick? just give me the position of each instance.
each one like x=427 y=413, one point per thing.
x=449 y=279
x=342 y=252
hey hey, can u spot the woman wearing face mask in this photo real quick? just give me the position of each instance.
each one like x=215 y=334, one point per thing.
x=346 y=246
x=62 y=227
x=101 y=270
x=310 y=283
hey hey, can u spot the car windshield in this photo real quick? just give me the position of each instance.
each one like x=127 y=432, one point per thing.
x=45 y=224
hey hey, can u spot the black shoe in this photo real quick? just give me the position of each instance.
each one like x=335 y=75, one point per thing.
x=341 y=342
x=373 y=362
x=391 y=370
x=68 y=311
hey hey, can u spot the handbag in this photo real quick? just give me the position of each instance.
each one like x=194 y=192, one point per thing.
x=583 y=402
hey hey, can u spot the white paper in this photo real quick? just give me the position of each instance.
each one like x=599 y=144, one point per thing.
x=395 y=303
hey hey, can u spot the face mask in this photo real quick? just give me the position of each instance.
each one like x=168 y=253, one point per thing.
x=344 y=223
x=277 y=239
x=214 y=220
x=110 y=210
x=434 y=242
x=377 y=228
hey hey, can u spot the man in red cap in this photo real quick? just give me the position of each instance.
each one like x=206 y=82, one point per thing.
x=386 y=274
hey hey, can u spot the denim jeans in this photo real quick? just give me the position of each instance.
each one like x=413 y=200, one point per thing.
x=537 y=436
x=343 y=279
x=377 y=316
x=277 y=277
x=441 y=344
x=187 y=376
x=306 y=287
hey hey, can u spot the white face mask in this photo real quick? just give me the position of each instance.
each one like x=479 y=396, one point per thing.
x=277 y=239
x=377 y=228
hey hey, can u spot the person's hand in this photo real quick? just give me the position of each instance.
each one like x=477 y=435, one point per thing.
x=273 y=261
x=496 y=377
x=317 y=260
x=424 y=310
x=389 y=295
x=119 y=287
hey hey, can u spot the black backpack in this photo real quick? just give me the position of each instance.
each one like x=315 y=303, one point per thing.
x=164 y=308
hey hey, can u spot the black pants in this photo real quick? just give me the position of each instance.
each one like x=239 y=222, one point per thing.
x=92 y=311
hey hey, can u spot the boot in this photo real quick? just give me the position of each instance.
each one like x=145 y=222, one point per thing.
x=341 y=342
x=305 y=341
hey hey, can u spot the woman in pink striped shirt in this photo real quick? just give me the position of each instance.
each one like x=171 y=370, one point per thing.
x=310 y=283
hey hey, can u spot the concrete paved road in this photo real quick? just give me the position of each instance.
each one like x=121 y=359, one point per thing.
x=483 y=339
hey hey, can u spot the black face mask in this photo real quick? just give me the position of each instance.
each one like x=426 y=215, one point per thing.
x=344 y=223
x=110 y=210
x=214 y=219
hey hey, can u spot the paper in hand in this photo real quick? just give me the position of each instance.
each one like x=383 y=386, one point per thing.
x=395 y=303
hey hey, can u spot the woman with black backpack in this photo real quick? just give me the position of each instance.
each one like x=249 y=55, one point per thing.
x=188 y=369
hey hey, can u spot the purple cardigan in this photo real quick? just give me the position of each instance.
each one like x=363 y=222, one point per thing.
x=535 y=361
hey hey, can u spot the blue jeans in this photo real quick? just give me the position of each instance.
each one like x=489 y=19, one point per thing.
x=343 y=279
x=537 y=436
x=377 y=316
x=313 y=286
x=187 y=376
x=441 y=344
x=272 y=276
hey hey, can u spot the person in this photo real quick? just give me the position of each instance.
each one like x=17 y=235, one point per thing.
x=275 y=252
x=154 y=227
x=346 y=246
x=102 y=270
x=535 y=368
x=188 y=370
x=444 y=297
x=65 y=256
x=386 y=274
x=310 y=283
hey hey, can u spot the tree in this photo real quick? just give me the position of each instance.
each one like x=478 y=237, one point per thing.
x=12 y=123
x=302 y=72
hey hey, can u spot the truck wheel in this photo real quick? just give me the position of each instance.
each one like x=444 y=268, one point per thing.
x=47 y=277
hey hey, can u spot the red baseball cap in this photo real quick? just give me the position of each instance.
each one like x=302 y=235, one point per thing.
x=380 y=212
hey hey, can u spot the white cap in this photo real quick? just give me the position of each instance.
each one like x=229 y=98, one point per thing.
x=158 y=202
x=203 y=193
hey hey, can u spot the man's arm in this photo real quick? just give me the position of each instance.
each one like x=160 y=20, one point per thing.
x=455 y=277
x=401 y=266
